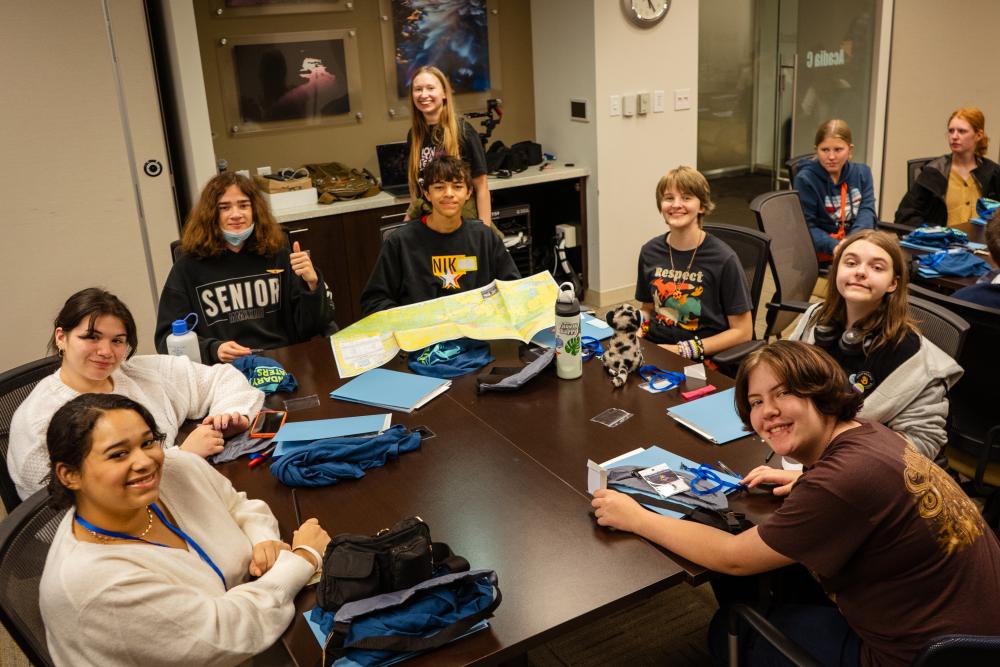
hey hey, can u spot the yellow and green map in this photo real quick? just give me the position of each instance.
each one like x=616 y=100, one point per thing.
x=503 y=309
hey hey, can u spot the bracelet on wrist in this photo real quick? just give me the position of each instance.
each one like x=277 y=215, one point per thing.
x=309 y=550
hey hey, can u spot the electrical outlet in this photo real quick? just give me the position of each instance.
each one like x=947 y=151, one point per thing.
x=659 y=101
x=616 y=106
x=682 y=99
x=643 y=103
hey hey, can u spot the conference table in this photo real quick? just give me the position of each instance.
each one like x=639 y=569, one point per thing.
x=502 y=480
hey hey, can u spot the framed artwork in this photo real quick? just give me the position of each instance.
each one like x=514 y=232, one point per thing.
x=232 y=8
x=459 y=37
x=290 y=80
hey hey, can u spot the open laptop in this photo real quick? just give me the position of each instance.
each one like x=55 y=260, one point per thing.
x=392 y=166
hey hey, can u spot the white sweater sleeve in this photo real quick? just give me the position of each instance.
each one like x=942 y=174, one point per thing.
x=209 y=390
x=144 y=617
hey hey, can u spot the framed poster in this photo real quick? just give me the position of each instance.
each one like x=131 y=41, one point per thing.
x=459 y=37
x=289 y=80
x=232 y=8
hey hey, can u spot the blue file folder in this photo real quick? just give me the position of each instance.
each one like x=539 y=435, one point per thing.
x=713 y=417
x=393 y=390
x=295 y=434
x=589 y=326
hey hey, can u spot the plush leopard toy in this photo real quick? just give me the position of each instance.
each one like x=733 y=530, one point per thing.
x=623 y=354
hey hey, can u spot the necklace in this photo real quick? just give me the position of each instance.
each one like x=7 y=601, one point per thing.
x=149 y=525
x=693 y=255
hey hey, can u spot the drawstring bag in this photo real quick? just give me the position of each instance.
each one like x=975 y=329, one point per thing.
x=393 y=626
x=266 y=374
x=329 y=460
x=450 y=358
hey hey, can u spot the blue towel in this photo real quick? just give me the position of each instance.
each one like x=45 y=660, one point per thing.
x=451 y=358
x=961 y=264
x=266 y=374
x=330 y=460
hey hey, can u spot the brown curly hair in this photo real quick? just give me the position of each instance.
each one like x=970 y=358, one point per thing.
x=202 y=236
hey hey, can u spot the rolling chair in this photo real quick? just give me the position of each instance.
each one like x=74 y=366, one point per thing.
x=753 y=249
x=913 y=169
x=943 y=651
x=15 y=385
x=973 y=448
x=794 y=164
x=25 y=537
x=779 y=215
x=939 y=325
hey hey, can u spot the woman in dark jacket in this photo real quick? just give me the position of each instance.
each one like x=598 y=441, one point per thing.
x=946 y=191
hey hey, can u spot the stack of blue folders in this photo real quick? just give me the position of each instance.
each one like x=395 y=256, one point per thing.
x=651 y=456
x=384 y=388
x=293 y=435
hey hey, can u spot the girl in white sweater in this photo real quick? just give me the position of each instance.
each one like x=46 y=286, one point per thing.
x=96 y=336
x=150 y=566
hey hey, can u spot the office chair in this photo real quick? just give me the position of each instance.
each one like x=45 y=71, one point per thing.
x=753 y=249
x=25 y=537
x=175 y=251
x=939 y=325
x=973 y=448
x=943 y=651
x=913 y=169
x=795 y=164
x=779 y=215
x=15 y=385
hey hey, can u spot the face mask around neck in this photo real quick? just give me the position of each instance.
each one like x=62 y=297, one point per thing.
x=237 y=238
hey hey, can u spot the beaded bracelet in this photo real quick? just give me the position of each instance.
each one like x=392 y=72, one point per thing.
x=699 y=349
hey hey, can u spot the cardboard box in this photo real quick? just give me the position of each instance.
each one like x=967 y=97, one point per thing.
x=270 y=185
x=283 y=201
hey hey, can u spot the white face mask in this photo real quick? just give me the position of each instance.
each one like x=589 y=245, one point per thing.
x=237 y=238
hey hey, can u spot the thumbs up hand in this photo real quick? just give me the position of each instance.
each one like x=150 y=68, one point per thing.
x=303 y=267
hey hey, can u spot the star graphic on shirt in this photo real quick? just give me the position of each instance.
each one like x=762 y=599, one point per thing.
x=449 y=279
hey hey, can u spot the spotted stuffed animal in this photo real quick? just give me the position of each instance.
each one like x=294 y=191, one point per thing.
x=623 y=354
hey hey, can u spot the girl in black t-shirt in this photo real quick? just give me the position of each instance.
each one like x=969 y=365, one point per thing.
x=438 y=130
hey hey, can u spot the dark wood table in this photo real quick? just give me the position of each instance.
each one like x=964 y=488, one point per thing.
x=948 y=284
x=489 y=499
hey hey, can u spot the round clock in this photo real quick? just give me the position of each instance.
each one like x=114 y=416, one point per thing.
x=645 y=13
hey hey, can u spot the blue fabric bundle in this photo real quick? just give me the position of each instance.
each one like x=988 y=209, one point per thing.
x=266 y=374
x=330 y=460
x=934 y=238
x=451 y=358
x=960 y=263
x=420 y=611
x=985 y=209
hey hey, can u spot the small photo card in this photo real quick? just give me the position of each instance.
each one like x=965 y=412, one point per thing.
x=663 y=480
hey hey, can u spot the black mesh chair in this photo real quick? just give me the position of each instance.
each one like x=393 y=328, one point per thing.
x=913 y=169
x=15 y=385
x=25 y=537
x=795 y=164
x=753 y=249
x=973 y=447
x=779 y=215
x=944 y=651
x=939 y=325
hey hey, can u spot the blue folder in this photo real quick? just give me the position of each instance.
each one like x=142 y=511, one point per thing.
x=713 y=417
x=384 y=388
x=295 y=434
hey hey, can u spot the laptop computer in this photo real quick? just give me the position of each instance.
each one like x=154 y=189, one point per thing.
x=392 y=160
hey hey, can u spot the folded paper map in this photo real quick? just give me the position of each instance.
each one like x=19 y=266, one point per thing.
x=503 y=309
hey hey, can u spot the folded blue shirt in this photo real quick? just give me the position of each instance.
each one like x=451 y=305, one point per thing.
x=959 y=263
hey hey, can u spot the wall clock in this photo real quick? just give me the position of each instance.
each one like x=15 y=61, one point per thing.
x=645 y=13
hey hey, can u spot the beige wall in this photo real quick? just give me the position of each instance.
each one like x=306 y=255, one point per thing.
x=928 y=80
x=354 y=143
x=71 y=216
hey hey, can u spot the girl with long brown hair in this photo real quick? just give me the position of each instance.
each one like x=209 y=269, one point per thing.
x=864 y=323
x=237 y=274
x=438 y=130
x=947 y=188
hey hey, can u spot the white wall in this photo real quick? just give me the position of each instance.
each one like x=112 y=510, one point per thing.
x=71 y=217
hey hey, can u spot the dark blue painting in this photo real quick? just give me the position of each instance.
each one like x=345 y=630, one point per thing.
x=449 y=34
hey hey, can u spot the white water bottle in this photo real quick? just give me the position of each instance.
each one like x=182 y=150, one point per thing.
x=183 y=342
x=569 y=362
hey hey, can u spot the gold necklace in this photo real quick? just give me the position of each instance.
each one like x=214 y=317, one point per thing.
x=693 y=255
x=149 y=526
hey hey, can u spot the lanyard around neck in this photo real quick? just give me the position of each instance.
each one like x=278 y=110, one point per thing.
x=174 y=529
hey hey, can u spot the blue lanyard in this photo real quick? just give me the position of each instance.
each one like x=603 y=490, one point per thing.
x=705 y=473
x=174 y=529
x=667 y=379
x=591 y=347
